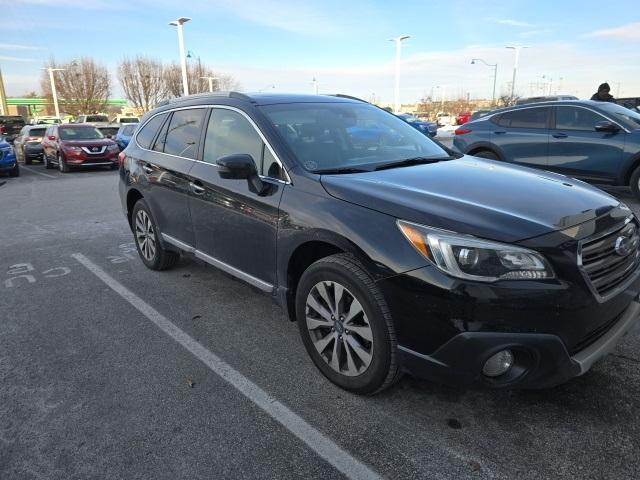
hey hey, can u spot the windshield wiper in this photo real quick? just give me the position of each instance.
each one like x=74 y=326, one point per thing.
x=329 y=171
x=407 y=162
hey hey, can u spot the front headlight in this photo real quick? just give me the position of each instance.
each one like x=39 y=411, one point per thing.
x=71 y=148
x=464 y=256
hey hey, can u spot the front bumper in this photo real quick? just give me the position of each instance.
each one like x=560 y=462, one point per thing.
x=541 y=360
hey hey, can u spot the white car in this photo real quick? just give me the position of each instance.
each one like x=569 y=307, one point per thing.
x=443 y=119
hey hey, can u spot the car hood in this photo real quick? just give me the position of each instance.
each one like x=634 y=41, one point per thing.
x=86 y=143
x=478 y=197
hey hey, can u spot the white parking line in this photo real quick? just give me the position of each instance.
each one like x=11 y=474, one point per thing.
x=317 y=441
x=37 y=172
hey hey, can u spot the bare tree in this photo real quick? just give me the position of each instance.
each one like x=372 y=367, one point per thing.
x=197 y=84
x=142 y=80
x=83 y=85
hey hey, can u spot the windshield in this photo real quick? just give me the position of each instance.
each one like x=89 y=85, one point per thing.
x=128 y=120
x=629 y=118
x=97 y=118
x=109 y=131
x=128 y=130
x=80 y=133
x=326 y=136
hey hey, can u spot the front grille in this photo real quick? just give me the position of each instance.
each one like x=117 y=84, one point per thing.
x=605 y=260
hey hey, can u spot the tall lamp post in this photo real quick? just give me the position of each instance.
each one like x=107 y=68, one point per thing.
x=495 y=76
x=396 y=96
x=516 y=49
x=54 y=94
x=183 y=61
x=211 y=79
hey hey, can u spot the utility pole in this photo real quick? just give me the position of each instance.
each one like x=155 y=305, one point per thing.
x=4 y=108
x=54 y=93
x=516 y=49
x=183 y=61
x=396 y=93
x=211 y=79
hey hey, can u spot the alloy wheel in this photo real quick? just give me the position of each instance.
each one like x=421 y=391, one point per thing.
x=339 y=328
x=145 y=235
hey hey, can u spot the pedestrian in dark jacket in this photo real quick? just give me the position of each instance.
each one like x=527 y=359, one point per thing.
x=602 y=95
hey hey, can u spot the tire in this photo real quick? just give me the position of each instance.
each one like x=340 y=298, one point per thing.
x=151 y=252
x=372 y=331
x=62 y=165
x=634 y=183
x=113 y=167
x=15 y=171
x=488 y=154
x=27 y=160
x=45 y=160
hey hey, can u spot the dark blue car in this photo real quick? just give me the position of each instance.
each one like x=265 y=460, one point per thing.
x=428 y=128
x=598 y=142
x=8 y=160
x=123 y=137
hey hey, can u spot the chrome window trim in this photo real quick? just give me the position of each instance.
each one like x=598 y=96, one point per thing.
x=523 y=107
x=224 y=107
x=256 y=282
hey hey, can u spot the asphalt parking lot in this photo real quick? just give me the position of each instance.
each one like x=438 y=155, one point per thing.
x=110 y=370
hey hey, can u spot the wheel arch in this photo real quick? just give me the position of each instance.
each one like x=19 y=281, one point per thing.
x=632 y=164
x=133 y=195
x=477 y=148
x=316 y=245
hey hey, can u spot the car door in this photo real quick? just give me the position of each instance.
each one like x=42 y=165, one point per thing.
x=166 y=161
x=578 y=150
x=236 y=229
x=48 y=143
x=522 y=135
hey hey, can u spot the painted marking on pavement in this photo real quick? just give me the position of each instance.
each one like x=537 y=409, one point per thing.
x=316 y=440
x=37 y=172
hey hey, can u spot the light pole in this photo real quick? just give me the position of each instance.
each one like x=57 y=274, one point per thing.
x=396 y=96
x=516 y=49
x=183 y=61
x=495 y=76
x=315 y=86
x=54 y=94
x=211 y=79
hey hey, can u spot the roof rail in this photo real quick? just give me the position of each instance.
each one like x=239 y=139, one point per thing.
x=341 y=95
x=229 y=94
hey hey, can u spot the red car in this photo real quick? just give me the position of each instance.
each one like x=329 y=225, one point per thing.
x=462 y=118
x=78 y=145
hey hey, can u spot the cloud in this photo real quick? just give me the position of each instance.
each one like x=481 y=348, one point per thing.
x=514 y=23
x=4 y=58
x=631 y=31
x=12 y=46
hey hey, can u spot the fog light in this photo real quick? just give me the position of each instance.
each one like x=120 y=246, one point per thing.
x=498 y=364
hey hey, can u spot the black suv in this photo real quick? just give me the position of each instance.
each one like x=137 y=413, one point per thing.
x=392 y=253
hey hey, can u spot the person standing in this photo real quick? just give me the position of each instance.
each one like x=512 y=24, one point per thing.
x=603 y=95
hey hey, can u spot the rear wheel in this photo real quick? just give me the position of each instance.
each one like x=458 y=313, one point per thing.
x=634 y=183
x=346 y=326
x=486 y=154
x=27 y=160
x=45 y=160
x=151 y=251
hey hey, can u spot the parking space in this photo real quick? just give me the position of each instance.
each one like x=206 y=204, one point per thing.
x=96 y=385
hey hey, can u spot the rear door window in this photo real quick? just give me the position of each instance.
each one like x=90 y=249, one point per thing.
x=149 y=131
x=183 y=134
x=525 y=118
x=572 y=118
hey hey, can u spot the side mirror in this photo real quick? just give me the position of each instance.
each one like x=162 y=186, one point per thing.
x=607 y=126
x=240 y=166
x=51 y=137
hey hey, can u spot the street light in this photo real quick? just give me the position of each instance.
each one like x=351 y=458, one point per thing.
x=495 y=76
x=54 y=94
x=183 y=62
x=398 y=42
x=211 y=79
x=516 y=49
x=315 y=86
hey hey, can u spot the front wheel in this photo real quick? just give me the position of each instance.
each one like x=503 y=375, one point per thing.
x=27 y=160
x=488 y=154
x=15 y=171
x=634 y=183
x=62 y=165
x=146 y=234
x=346 y=326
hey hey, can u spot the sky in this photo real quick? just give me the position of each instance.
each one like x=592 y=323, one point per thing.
x=281 y=45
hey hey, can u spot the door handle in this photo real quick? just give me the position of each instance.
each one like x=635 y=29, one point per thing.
x=500 y=132
x=559 y=135
x=147 y=168
x=197 y=189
